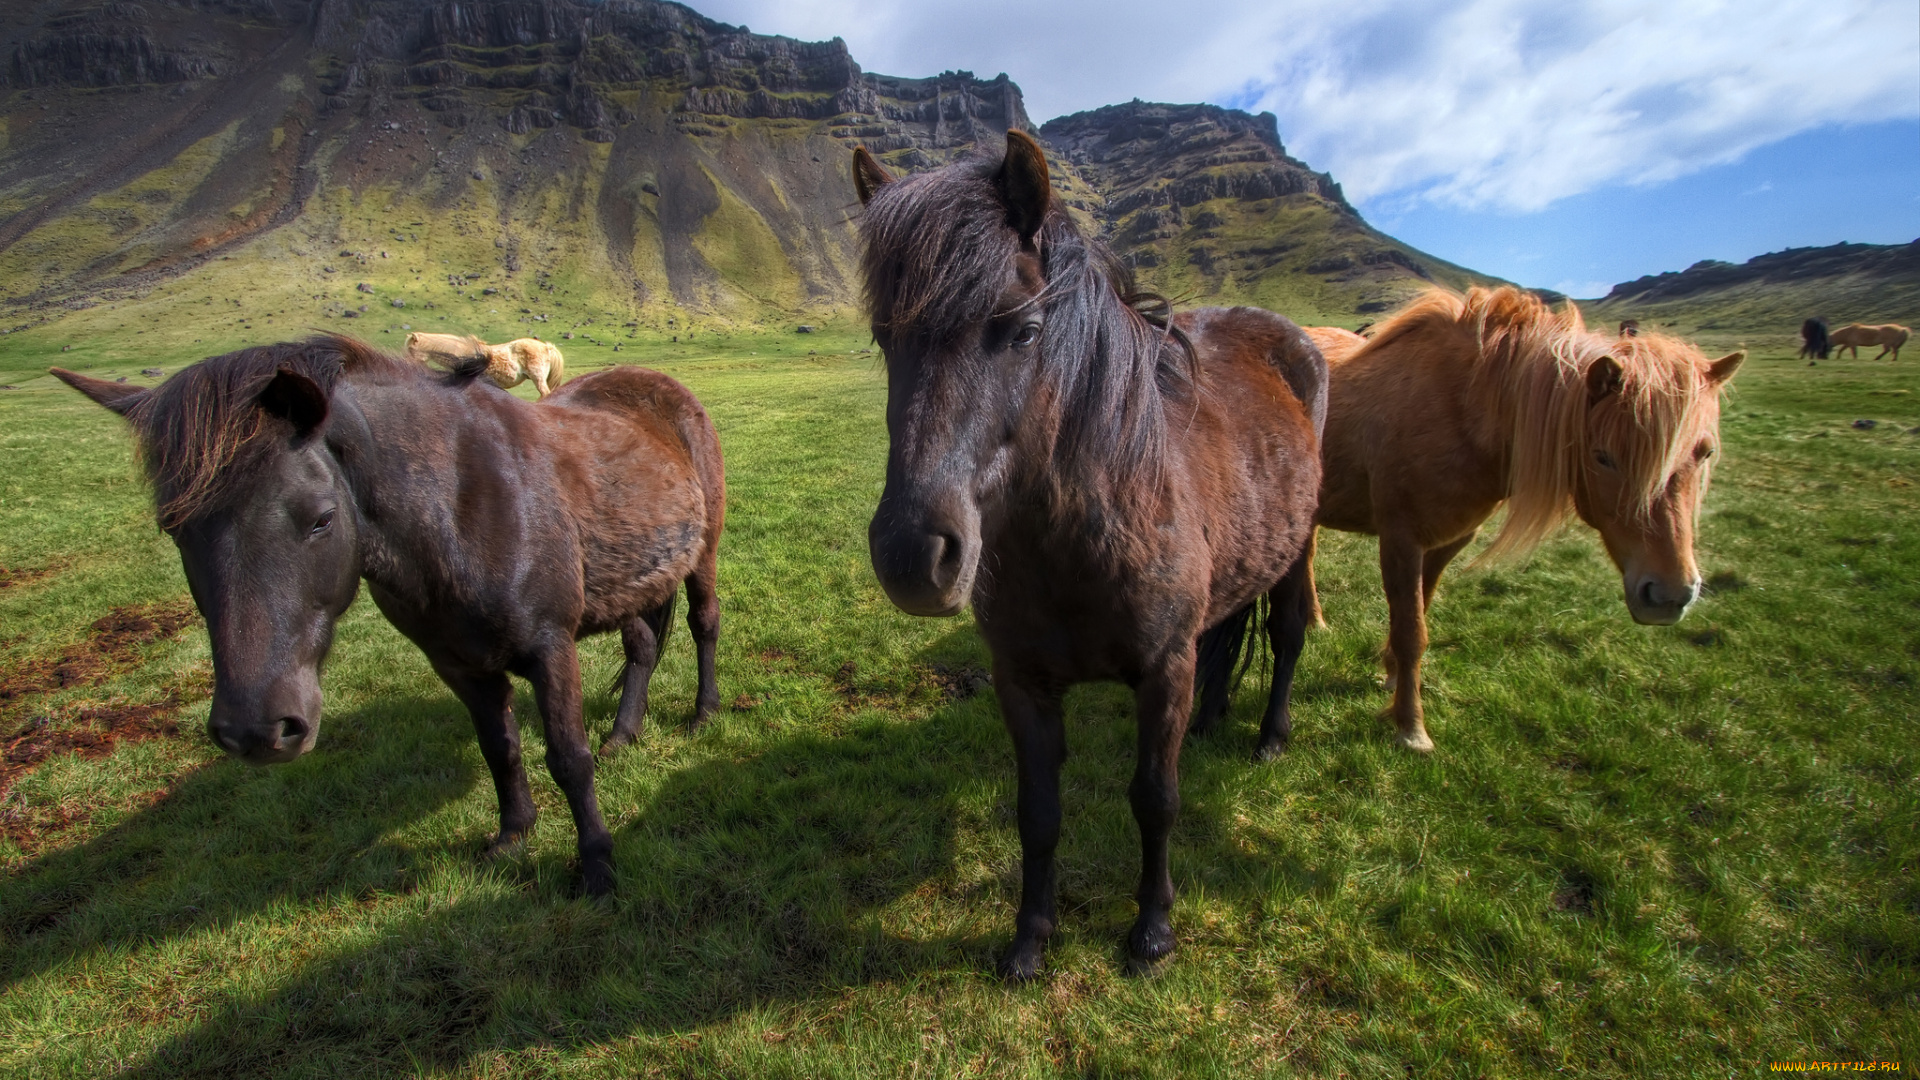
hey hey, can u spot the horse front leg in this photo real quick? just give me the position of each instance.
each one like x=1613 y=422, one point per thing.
x=1402 y=573
x=1162 y=701
x=1039 y=748
x=555 y=675
x=488 y=697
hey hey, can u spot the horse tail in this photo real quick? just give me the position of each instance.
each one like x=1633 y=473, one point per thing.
x=660 y=621
x=556 y=367
x=1222 y=659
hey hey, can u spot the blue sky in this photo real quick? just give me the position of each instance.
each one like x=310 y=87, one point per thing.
x=1568 y=144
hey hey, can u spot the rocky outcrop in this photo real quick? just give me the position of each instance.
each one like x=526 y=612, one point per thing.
x=113 y=44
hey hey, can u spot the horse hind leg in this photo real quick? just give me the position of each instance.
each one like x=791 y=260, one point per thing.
x=555 y=676
x=703 y=619
x=1292 y=608
x=640 y=639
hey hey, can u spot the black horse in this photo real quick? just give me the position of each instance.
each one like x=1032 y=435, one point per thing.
x=491 y=531
x=1813 y=337
x=1104 y=485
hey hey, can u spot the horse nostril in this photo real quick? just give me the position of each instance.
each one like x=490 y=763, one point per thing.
x=292 y=729
x=944 y=562
x=1650 y=594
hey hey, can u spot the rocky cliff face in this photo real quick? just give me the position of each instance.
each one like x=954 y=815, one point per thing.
x=630 y=154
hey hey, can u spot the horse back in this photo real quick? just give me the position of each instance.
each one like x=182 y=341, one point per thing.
x=646 y=458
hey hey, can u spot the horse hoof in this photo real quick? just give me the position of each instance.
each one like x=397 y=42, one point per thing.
x=1022 y=962
x=1269 y=750
x=596 y=879
x=615 y=743
x=504 y=846
x=1150 y=941
x=1417 y=741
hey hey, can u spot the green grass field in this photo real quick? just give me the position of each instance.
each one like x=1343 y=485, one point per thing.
x=1684 y=851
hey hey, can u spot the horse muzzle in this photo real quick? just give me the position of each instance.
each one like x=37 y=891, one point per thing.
x=925 y=562
x=1654 y=602
x=280 y=725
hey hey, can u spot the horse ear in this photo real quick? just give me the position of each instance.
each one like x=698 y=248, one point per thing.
x=869 y=175
x=118 y=397
x=1022 y=181
x=1603 y=379
x=1722 y=369
x=295 y=398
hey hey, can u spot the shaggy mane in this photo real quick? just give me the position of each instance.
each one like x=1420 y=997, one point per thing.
x=939 y=255
x=1532 y=363
x=199 y=431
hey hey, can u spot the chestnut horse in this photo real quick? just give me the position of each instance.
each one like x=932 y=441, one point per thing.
x=1103 y=485
x=1889 y=337
x=508 y=365
x=491 y=531
x=1459 y=404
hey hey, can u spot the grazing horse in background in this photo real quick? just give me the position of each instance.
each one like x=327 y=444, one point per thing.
x=1814 y=343
x=1461 y=403
x=491 y=531
x=1105 y=485
x=508 y=365
x=1889 y=337
x=1629 y=327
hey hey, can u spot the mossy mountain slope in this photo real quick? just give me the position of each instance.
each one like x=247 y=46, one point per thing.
x=552 y=166
x=1207 y=203
x=1842 y=283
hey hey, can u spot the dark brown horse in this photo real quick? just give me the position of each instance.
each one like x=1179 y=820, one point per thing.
x=1104 y=487
x=491 y=531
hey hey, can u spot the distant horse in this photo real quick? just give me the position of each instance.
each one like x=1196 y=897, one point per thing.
x=1629 y=327
x=1105 y=486
x=491 y=531
x=1888 y=337
x=508 y=365
x=1815 y=343
x=1459 y=404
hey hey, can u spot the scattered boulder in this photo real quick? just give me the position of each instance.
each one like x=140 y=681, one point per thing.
x=805 y=329
x=398 y=302
x=1866 y=425
x=122 y=378
x=152 y=372
x=363 y=287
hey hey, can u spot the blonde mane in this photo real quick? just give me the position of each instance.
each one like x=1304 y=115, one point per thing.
x=1531 y=369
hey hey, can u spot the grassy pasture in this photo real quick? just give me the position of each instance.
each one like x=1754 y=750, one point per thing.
x=1638 y=851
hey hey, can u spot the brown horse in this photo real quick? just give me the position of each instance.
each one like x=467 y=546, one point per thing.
x=1889 y=337
x=1103 y=486
x=1459 y=404
x=491 y=531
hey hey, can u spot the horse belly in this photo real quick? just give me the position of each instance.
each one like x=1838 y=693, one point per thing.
x=636 y=554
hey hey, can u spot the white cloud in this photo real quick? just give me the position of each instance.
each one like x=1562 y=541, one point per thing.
x=1501 y=104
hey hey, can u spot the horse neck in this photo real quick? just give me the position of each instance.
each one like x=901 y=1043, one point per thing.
x=400 y=536
x=1501 y=388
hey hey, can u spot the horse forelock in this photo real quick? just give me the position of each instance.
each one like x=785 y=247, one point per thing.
x=200 y=432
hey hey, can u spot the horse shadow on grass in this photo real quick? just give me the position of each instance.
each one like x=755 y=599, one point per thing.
x=805 y=865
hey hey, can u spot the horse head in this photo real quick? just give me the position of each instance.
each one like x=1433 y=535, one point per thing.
x=1652 y=432
x=954 y=280
x=250 y=485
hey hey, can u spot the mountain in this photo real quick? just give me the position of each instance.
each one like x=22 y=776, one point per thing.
x=1207 y=203
x=215 y=167
x=1872 y=283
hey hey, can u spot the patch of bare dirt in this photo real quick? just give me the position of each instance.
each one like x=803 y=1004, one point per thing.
x=113 y=646
x=93 y=731
x=13 y=578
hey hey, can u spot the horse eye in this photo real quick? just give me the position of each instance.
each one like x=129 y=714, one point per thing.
x=1605 y=459
x=1028 y=334
x=320 y=526
x=1706 y=452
